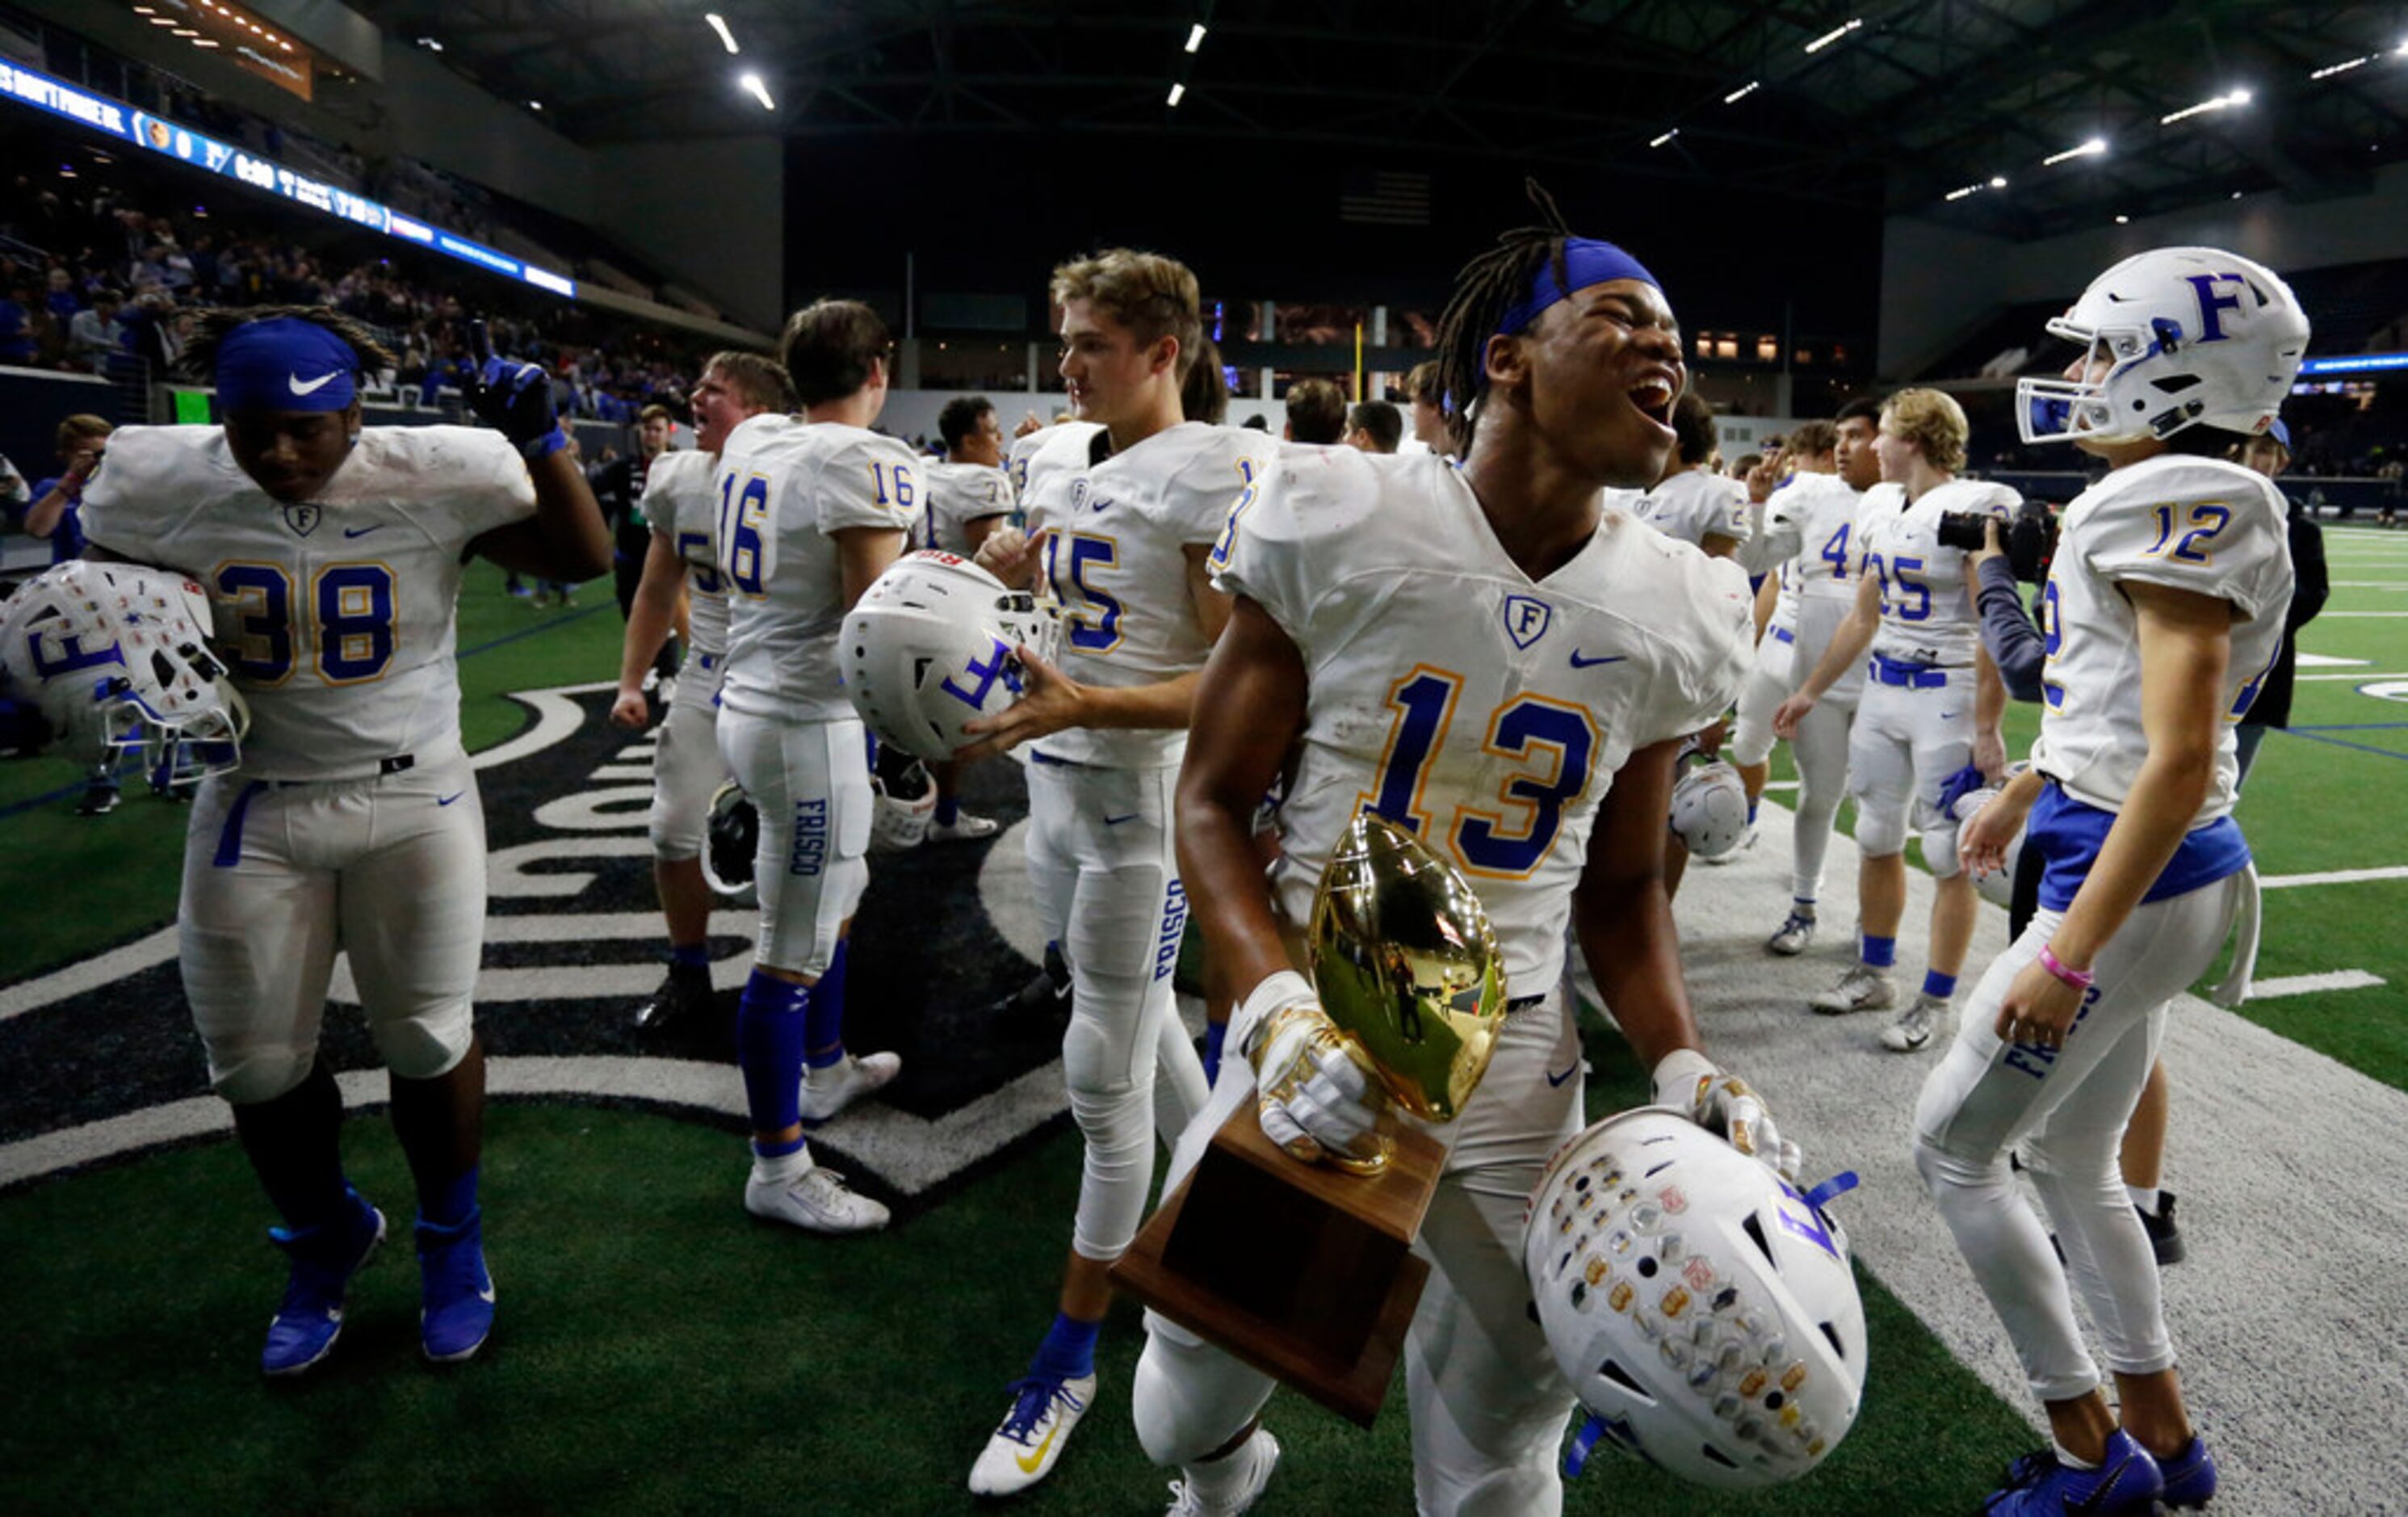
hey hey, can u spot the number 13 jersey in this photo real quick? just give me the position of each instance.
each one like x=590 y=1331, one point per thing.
x=337 y=616
x=1449 y=693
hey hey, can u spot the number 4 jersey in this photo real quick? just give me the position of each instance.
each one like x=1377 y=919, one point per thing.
x=337 y=616
x=1112 y=533
x=1451 y=694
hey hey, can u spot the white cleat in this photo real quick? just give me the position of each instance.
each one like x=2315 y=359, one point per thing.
x=1793 y=937
x=829 y=1091
x=963 y=829
x=1863 y=987
x=1229 y=1485
x=1930 y=1016
x=1030 y=1438
x=816 y=1201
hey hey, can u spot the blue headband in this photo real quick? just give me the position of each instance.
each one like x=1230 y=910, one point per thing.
x=1587 y=262
x=284 y=364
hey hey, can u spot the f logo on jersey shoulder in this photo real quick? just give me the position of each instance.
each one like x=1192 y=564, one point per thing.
x=304 y=520
x=1527 y=619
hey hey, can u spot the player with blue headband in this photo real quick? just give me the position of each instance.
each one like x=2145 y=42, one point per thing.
x=332 y=555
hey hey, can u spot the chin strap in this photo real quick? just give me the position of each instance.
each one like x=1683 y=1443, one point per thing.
x=1838 y=1184
x=1583 y=1443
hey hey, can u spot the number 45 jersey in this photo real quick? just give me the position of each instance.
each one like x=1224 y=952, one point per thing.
x=336 y=617
x=1453 y=695
x=1114 y=529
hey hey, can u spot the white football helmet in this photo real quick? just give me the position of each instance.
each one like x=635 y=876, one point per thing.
x=1998 y=887
x=2191 y=336
x=905 y=802
x=1703 y=1311
x=117 y=658
x=933 y=645
x=731 y=836
x=1710 y=808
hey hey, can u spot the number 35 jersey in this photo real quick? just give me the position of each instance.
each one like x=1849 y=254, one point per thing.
x=1112 y=533
x=1926 y=612
x=784 y=487
x=337 y=616
x=1451 y=694
x=2199 y=524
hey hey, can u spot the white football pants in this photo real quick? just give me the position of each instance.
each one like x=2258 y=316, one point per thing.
x=1101 y=861
x=687 y=770
x=1905 y=744
x=1488 y=1405
x=279 y=878
x=2065 y=1111
x=811 y=783
x=1820 y=750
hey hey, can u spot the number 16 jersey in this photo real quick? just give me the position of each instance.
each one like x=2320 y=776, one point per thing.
x=1453 y=695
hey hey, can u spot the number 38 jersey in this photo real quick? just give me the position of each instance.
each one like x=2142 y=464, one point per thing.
x=784 y=487
x=682 y=504
x=1451 y=694
x=2199 y=524
x=1926 y=612
x=1112 y=532
x=336 y=617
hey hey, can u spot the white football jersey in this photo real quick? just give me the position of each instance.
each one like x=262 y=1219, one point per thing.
x=336 y=617
x=682 y=503
x=1015 y=464
x=1112 y=534
x=784 y=487
x=1451 y=694
x=1927 y=611
x=1693 y=503
x=1812 y=520
x=2199 y=524
x=958 y=494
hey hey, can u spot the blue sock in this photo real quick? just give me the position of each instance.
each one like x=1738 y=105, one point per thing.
x=1935 y=983
x=1069 y=1351
x=823 y=1019
x=690 y=955
x=1751 y=813
x=1880 y=952
x=1802 y=907
x=452 y=1203
x=947 y=809
x=1214 y=1035
x=769 y=1020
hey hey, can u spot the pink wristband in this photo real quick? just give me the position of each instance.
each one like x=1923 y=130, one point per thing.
x=2081 y=980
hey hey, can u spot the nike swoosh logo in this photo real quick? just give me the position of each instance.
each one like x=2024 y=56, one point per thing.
x=1115 y=821
x=447 y=800
x=486 y=1295
x=1558 y=1079
x=1579 y=662
x=310 y=386
x=1029 y=1462
x=363 y=531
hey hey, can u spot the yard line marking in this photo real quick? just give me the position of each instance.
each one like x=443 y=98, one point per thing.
x=2326 y=660
x=2354 y=675
x=2336 y=979
x=1771 y=785
x=2332 y=876
x=2360 y=616
x=2365 y=584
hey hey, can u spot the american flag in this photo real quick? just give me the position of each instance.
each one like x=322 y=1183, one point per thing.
x=1383 y=199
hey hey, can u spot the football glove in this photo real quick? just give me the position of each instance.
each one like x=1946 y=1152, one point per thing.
x=1314 y=1081
x=516 y=399
x=1689 y=1083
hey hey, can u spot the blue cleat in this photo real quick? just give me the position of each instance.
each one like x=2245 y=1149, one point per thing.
x=325 y=1258
x=2189 y=1476
x=2125 y=1484
x=456 y=1292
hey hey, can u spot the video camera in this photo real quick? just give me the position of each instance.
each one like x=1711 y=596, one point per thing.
x=2029 y=538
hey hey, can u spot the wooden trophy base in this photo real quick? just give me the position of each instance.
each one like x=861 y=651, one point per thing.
x=1300 y=1270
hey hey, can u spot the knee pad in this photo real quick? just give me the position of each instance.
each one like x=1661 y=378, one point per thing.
x=424 y=1044
x=1881 y=826
x=249 y=1075
x=1940 y=852
x=1101 y=1063
x=1189 y=1398
x=676 y=828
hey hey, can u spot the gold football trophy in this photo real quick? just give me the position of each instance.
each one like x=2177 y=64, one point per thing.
x=1305 y=1270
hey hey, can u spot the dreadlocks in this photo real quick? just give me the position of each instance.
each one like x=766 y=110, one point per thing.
x=199 y=359
x=1484 y=290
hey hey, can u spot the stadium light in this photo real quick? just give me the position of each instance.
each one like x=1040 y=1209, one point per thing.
x=430 y=44
x=759 y=91
x=1743 y=92
x=534 y=105
x=1997 y=182
x=2221 y=102
x=1177 y=90
x=2331 y=69
x=1833 y=36
x=2091 y=149
x=1195 y=36
x=719 y=26
x=2123 y=221
x=1660 y=140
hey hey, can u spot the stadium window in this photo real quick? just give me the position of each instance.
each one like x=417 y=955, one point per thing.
x=1705 y=344
x=1726 y=345
x=1767 y=350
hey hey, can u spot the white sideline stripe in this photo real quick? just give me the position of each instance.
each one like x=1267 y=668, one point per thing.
x=2365 y=584
x=556 y=716
x=2360 y=615
x=91 y=974
x=2334 y=979
x=2354 y=674
x=1770 y=785
x=2323 y=660
x=2333 y=876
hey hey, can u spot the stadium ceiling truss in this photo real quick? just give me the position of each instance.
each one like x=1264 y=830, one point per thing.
x=1920 y=98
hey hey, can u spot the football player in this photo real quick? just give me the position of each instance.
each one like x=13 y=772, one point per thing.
x=682 y=563
x=1931 y=707
x=1809 y=524
x=2164 y=608
x=1693 y=502
x=969 y=496
x=1122 y=510
x=1485 y=655
x=333 y=555
x=812 y=510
